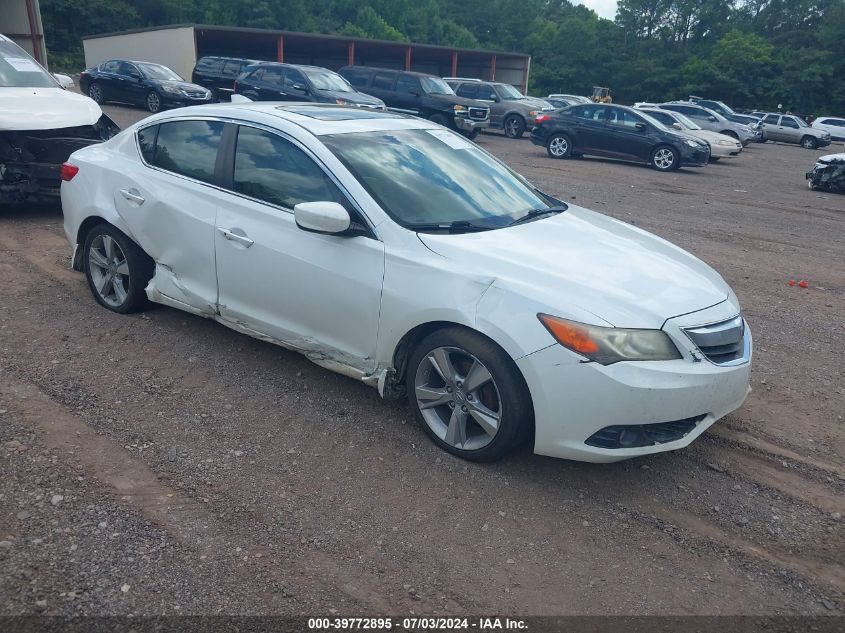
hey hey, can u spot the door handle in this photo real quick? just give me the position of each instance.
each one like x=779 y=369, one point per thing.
x=132 y=195
x=236 y=235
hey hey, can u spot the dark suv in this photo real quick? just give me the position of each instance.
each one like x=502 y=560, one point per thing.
x=218 y=74
x=269 y=81
x=422 y=95
x=614 y=131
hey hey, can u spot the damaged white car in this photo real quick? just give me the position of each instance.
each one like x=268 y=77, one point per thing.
x=41 y=124
x=394 y=251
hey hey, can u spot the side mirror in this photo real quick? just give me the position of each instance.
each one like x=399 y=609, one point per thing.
x=416 y=93
x=495 y=98
x=640 y=127
x=64 y=81
x=712 y=119
x=677 y=126
x=329 y=218
x=300 y=87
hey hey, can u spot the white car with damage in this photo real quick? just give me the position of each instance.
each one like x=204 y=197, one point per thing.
x=41 y=124
x=396 y=252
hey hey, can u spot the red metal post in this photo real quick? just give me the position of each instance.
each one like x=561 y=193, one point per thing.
x=492 y=68
x=33 y=32
x=350 y=54
x=408 y=58
x=280 y=49
x=454 y=64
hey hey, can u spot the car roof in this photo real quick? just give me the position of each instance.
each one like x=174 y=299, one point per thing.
x=316 y=118
x=376 y=69
x=285 y=64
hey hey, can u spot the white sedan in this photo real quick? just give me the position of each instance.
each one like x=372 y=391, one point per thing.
x=391 y=250
x=721 y=145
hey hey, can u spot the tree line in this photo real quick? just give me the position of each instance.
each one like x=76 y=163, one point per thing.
x=749 y=53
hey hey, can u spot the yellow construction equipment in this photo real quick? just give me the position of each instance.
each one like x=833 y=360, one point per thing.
x=601 y=95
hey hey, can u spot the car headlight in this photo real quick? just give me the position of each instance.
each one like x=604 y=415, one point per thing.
x=608 y=345
x=459 y=108
x=171 y=89
x=693 y=143
x=725 y=142
x=532 y=113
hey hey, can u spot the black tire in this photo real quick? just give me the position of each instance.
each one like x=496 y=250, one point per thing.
x=514 y=126
x=559 y=145
x=714 y=159
x=472 y=134
x=95 y=92
x=153 y=101
x=514 y=405
x=809 y=142
x=140 y=270
x=440 y=119
x=665 y=158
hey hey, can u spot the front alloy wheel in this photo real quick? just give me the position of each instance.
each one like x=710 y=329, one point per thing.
x=664 y=159
x=153 y=102
x=467 y=394
x=808 y=142
x=514 y=126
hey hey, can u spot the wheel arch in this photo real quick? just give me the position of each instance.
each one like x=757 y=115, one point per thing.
x=85 y=227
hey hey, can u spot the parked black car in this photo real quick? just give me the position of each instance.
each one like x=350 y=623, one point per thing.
x=149 y=85
x=271 y=81
x=619 y=132
x=218 y=74
x=422 y=95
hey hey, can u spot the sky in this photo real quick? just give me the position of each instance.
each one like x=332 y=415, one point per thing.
x=605 y=8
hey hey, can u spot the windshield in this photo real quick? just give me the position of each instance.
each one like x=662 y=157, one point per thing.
x=801 y=122
x=154 y=71
x=325 y=80
x=436 y=86
x=658 y=124
x=422 y=177
x=509 y=92
x=686 y=122
x=725 y=108
x=19 y=70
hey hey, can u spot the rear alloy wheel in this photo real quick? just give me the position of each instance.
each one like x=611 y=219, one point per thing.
x=117 y=270
x=664 y=158
x=559 y=146
x=514 y=126
x=95 y=91
x=809 y=142
x=153 y=101
x=468 y=395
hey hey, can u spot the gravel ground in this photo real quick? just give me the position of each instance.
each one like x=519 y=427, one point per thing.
x=162 y=464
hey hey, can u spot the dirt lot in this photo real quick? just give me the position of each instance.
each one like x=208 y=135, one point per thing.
x=162 y=464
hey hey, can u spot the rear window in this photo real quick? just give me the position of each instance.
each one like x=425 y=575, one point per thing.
x=187 y=147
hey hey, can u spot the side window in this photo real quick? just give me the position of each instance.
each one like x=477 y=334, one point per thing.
x=294 y=78
x=147 y=142
x=788 y=121
x=594 y=113
x=384 y=81
x=110 y=67
x=231 y=69
x=209 y=65
x=271 y=168
x=623 y=118
x=357 y=78
x=771 y=118
x=188 y=148
x=486 y=93
x=126 y=69
x=406 y=84
x=467 y=90
x=257 y=74
x=273 y=76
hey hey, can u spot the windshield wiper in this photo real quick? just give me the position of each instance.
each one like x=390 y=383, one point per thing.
x=459 y=226
x=537 y=213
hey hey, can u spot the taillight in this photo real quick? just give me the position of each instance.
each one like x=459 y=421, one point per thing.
x=68 y=171
x=541 y=119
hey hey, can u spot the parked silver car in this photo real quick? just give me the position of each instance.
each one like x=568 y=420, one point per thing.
x=510 y=110
x=788 y=128
x=710 y=120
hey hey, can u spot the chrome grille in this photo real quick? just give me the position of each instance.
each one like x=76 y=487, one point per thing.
x=723 y=343
x=479 y=114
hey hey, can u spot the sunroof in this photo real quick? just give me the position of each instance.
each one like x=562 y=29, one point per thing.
x=337 y=113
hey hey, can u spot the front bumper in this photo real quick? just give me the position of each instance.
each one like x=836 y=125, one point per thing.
x=573 y=400
x=725 y=151
x=469 y=125
x=694 y=157
x=179 y=100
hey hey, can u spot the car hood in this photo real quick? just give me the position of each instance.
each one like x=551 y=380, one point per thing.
x=534 y=103
x=351 y=97
x=182 y=85
x=710 y=136
x=456 y=100
x=582 y=259
x=45 y=109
